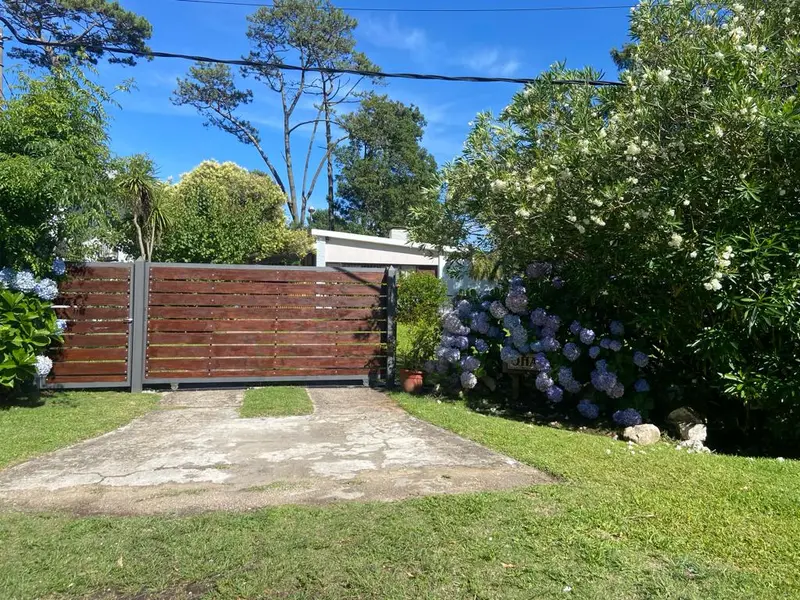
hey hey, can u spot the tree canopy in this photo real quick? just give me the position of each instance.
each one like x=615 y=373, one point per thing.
x=54 y=164
x=383 y=168
x=223 y=213
x=87 y=23
x=312 y=34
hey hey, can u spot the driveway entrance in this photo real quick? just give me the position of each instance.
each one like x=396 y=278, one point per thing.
x=195 y=453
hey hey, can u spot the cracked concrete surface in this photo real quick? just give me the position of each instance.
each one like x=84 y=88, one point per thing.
x=195 y=453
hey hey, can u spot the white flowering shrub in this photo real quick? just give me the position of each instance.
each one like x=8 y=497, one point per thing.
x=591 y=365
x=671 y=201
x=28 y=326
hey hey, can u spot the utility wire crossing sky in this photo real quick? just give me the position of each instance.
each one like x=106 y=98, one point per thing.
x=285 y=67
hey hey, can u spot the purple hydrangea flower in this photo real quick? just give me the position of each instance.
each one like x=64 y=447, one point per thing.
x=498 y=310
x=517 y=301
x=573 y=386
x=587 y=336
x=617 y=328
x=543 y=381
x=537 y=346
x=464 y=308
x=451 y=355
x=516 y=282
x=588 y=410
x=470 y=363
x=538 y=269
x=540 y=362
x=602 y=365
x=605 y=343
x=24 y=281
x=550 y=344
x=640 y=359
x=616 y=391
x=603 y=381
x=59 y=267
x=485 y=305
x=479 y=321
x=452 y=324
x=575 y=328
x=641 y=385
x=558 y=283
x=46 y=289
x=539 y=317
x=61 y=325
x=508 y=354
x=552 y=323
x=481 y=346
x=468 y=380
x=6 y=277
x=511 y=322
x=555 y=394
x=594 y=352
x=429 y=366
x=615 y=345
x=565 y=375
x=627 y=418
x=43 y=366
x=572 y=351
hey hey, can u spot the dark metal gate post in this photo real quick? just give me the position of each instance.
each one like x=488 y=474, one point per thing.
x=139 y=325
x=391 y=326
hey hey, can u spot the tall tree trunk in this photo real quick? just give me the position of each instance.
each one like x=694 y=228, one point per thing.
x=328 y=142
x=287 y=151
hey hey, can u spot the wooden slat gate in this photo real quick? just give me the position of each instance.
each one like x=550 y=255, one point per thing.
x=228 y=324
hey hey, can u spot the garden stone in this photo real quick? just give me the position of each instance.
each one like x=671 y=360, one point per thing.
x=643 y=435
x=688 y=423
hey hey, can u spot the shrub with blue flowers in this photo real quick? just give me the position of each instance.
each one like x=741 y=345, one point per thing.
x=28 y=326
x=481 y=336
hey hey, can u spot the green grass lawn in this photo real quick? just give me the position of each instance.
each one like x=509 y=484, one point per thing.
x=277 y=401
x=657 y=524
x=63 y=418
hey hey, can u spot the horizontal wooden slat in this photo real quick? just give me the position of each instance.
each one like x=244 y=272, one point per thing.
x=155 y=338
x=265 y=288
x=92 y=312
x=213 y=364
x=87 y=379
x=266 y=373
x=89 y=368
x=94 y=341
x=99 y=272
x=65 y=355
x=94 y=286
x=248 y=350
x=298 y=275
x=265 y=326
x=90 y=327
x=212 y=312
x=159 y=299
x=92 y=299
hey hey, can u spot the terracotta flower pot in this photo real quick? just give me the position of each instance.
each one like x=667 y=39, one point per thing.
x=411 y=380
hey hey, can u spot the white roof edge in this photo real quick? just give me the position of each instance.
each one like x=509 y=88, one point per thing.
x=374 y=239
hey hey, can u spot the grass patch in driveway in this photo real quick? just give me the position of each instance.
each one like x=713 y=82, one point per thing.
x=64 y=418
x=276 y=401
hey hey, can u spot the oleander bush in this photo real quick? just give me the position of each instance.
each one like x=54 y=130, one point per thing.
x=670 y=203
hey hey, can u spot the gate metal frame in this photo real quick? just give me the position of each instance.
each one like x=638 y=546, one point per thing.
x=139 y=320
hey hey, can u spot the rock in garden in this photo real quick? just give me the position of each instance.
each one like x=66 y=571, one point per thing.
x=688 y=423
x=643 y=435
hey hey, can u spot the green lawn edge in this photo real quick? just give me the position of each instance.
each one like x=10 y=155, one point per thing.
x=65 y=418
x=276 y=401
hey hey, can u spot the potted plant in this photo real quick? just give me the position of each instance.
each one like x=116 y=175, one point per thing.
x=420 y=348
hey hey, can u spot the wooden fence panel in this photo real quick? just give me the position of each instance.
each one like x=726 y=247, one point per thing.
x=95 y=300
x=222 y=323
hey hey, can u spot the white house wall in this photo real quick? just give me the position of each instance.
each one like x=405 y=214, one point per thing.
x=357 y=252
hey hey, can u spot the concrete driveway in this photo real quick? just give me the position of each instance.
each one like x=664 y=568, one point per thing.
x=195 y=453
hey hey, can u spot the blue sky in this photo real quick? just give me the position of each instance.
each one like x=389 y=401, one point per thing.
x=495 y=44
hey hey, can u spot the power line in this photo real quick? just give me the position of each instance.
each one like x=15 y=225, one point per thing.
x=429 y=10
x=284 y=67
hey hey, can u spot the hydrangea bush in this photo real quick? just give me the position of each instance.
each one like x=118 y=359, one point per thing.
x=591 y=364
x=28 y=326
x=671 y=202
